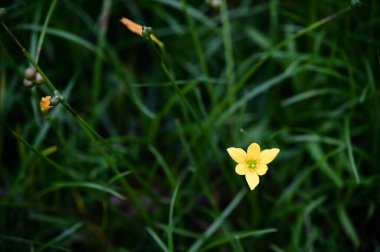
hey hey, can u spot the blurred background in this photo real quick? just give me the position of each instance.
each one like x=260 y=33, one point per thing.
x=139 y=162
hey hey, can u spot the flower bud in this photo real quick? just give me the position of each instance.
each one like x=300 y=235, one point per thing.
x=132 y=26
x=215 y=3
x=39 y=78
x=28 y=83
x=30 y=74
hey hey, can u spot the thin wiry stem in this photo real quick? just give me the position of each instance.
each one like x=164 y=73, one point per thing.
x=44 y=28
x=13 y=37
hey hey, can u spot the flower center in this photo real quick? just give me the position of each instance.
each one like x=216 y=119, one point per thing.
x=251 y=164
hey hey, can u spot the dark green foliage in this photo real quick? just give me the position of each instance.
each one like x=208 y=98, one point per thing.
x=136 y=159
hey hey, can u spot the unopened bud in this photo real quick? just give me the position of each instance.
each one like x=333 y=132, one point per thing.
x=28 y=83
x=39 y=78
x=30 y=74
x=215 y=3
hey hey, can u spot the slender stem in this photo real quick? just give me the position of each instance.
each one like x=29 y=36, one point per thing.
x=198 y=49
x=227 y=40
x=181 y=96
x=98 y=63
x=44 y=28
x=13 y=36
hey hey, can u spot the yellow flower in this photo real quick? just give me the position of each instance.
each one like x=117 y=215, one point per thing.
x=253 y=162
x=45 y=104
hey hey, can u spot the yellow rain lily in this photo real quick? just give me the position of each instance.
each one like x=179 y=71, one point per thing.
x=45 y=104
x=253 y=162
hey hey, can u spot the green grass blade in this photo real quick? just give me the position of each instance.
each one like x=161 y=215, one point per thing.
x=261 y=88
x=65 y=35
x=303 y=177
x=44 y=27
x=310 y=94
x=101 y=43
x=119 y=176
x=30 y=242
x=348 y=226
x=171 y=221
x=197 y=45
x=227 y=39
x=238 y=236
x=157 y=239
x=87 y=185
x=347 y=138
x=194 y=12
x=319 y=157
x=164 y=165
x=180 y=232
x=65 y=234
x=218 y=222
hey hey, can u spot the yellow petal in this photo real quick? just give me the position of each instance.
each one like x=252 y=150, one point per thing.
x=262 y=169
x=252 y=179
x=241 y=169
x=267 y=156
x=238 y=155
x=253 y=151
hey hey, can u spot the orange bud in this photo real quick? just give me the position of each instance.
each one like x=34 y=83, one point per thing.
x=132 y=26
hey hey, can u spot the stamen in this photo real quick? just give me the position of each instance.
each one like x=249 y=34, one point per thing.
x=251 y=164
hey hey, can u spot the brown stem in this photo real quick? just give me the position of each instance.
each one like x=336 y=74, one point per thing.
x=13 y=37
